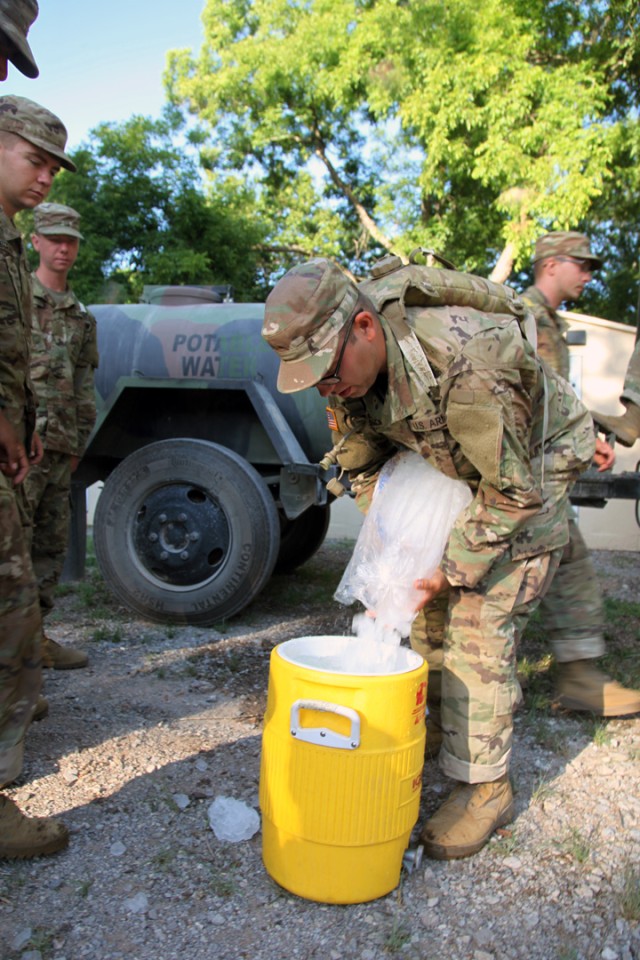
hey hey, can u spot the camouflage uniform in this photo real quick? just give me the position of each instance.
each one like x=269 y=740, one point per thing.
x=572 y=608
x=20 y=625
x=63 y=357
x=551 y=328
x=19 y=612
x=465 y=389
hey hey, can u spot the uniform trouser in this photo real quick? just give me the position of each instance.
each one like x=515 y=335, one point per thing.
x=631 y=390
x=572 y=606
x=470 y=636
x=47 y=488
x=20 y=632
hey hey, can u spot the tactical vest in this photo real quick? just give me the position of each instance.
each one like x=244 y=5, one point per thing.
x=393 y=286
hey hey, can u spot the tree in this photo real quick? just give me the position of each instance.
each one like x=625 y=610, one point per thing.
x=471 y=127
x=271 y=86
x=147 y=217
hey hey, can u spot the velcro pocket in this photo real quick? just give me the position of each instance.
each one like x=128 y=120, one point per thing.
x=475 y=421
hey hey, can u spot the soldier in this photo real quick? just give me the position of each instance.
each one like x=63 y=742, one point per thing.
x=64 y=354
x=627 y=427
x=32 y=142
x=16 y=16
x=572 y=608
x=405 y=365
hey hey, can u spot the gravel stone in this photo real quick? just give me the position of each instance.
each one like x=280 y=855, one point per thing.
x=138 y=745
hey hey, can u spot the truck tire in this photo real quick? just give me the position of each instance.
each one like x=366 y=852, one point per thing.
x=302 y=537
x=186 y=531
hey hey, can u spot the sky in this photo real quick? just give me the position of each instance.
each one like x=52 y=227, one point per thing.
x=103 y=61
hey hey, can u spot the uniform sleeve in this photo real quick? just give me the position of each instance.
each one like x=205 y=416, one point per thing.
x=489 y=416
x=83 y=383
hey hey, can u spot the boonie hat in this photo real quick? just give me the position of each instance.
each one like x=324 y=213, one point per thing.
x=37 y=125
x=304 y=314
x=565 y=244
x=16 y=16
x=53 y=219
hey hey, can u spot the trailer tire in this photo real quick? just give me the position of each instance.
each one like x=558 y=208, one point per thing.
x=186 y=531
x=302 y=537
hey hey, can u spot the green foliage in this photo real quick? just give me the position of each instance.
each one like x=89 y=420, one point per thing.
x=629 y=898
x=110 y=634
x=461 y=126
x=148 y=217
x=577 y=845
x=398 y=936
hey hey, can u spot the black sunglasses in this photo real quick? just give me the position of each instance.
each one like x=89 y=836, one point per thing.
x=585 y=265
x=333 y=377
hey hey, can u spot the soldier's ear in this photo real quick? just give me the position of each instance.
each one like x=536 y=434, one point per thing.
x=366 y=324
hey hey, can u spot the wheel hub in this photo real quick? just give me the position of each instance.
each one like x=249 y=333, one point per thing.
x=181 y=534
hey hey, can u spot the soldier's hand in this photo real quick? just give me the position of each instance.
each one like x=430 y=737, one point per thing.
x=37 y=450
x=430 y=588
x=14 y=462
x=605 y=456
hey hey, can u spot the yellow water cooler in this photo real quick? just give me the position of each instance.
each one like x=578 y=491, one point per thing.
x=341 y=768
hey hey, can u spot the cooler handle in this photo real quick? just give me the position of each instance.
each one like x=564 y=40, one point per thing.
x=321 y=735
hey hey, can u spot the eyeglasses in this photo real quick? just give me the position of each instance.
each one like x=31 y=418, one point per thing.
x=586 y=266
x=333 y=377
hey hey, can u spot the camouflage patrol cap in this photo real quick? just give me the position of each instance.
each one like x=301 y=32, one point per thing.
x=565 y=244
x=304 y=314
x=53 y=219
x=37 y=125
x=16 y=16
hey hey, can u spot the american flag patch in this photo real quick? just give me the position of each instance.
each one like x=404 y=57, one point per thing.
x=331 y=419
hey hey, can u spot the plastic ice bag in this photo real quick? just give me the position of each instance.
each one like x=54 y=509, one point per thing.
x=402 y=539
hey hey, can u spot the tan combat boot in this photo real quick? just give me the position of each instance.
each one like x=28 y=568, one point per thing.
x=626 y=427
x=581 y=686
x=61 y=658
x=467 y=818
x=22 y=837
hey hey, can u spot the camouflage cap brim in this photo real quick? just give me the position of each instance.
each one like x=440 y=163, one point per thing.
x=15 y=20
x=60 y=155
x=300 y=374
x=59 y=232
x=22 y=57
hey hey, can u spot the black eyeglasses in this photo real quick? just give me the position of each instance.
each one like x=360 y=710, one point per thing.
x=333 y=377
x=585 y=265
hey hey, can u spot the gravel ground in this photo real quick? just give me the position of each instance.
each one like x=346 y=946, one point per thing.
x=165 y=719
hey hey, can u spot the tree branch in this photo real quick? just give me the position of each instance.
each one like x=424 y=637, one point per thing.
x=286 y=248
x=367 y=222
x=503 y=265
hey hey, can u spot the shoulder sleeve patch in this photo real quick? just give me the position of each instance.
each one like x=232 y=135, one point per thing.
x=331 y=418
